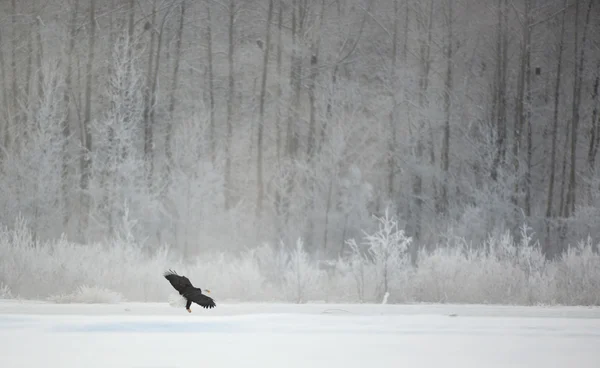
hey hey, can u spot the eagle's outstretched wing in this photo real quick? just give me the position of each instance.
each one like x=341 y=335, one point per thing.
x=180 y=283
x=195 y=295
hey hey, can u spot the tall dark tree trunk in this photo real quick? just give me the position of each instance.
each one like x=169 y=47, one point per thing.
x=443 y=207
x=500 y=93
x=564 y=180
x=261 y=121
x=279 y=80
x=107 y=177
x=312 y=141
x=174 y=86
x=527 y=118
x=148 y=131
x=292 y=139
x=130 y=33
x=230 y=102
x=39 y=57
x=550 y=200
x=392 y=141
x=86 y=131
x=406 y=24
x=278 y=200
x=426 y=25
x=6 y=116
x=153 y=102
x=15 y=72
x=595 y=123
x=211 y=90
x=66 y=124
x=520 y=113
x=292 y=142
x=28 y=81
x=577 y=87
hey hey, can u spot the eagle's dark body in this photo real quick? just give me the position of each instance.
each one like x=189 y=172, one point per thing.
x=191 y=294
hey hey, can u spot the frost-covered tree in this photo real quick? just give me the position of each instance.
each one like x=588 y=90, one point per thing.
x=31 y=176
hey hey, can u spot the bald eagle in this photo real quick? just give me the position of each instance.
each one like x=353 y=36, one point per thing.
x=191 y=294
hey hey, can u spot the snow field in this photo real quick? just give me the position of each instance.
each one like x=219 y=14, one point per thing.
x=156 y=335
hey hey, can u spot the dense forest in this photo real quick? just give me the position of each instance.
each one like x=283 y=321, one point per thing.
x=221 y=125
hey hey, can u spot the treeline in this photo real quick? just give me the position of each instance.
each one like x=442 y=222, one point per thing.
x=221 y=125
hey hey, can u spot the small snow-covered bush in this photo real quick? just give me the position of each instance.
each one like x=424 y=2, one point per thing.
x=578 y=275
x=5 y=291
x=301 y=276
x=380 y=265
x=388 y=251
x=89 y=295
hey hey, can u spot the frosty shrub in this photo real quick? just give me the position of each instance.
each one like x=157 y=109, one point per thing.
x=498 y=271
x=387 y=251
x=89 y=295
x=379 y=266
x=301 y=276
x=236 y=278
x=5 y=291
x=357 y=271
x=578 y=275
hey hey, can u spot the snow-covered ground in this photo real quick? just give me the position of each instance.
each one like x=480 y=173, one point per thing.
x=157 y=335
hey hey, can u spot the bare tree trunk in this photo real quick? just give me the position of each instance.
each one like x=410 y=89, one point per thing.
x=120 y=153
x=295 y=83
x=327 y=210
x=595 y=123
x=550 y=245
x=130 y=32
x=66 y=124
x=312 y=81
x=550 y=200
x=406 y=24
x=107 y=179
x=278 y=201
x=211 y=90
x=447 y=111
x=527 y=113
x=153 y=102
x=28 y=80
x=39 y=58
x=425 y=51
x=329 y=109
x=279 y=79
x=577 y=86
x=520 y=115
x=292 y=141
x=230 y=101
x=15 y=90
x=35 y=105
x=564 y=180
x=80 y=89
x=261 y=122
x=7 y=108
x=392 y=115
x=148 y=133
x=500 y=95
x=313 y=144
x=174 y=86
x=86 y=131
